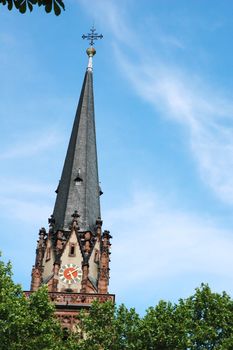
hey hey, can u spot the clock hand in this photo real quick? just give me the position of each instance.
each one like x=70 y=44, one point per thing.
x=72 y=276
x=71 y=272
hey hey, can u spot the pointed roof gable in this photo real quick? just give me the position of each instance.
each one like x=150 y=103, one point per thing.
x=79 y=185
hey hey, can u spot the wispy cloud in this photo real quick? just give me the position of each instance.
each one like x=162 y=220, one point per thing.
x=207 y=117
x=31 y=145
x=171 y=40
x=173 y=244
x=111 y=15
x=25 y=210
x=25 y=201
x=179 y=94
x=18 y=188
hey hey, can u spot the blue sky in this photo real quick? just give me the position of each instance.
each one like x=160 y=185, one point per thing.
x=163 y=83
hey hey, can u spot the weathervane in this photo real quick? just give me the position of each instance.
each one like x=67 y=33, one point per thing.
x=92 y=36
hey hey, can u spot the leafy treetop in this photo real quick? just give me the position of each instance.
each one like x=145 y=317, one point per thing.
x=23 y=5
x=201 y=322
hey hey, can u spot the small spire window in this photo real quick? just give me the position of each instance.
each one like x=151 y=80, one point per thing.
x=78 y=178
x=72 y=249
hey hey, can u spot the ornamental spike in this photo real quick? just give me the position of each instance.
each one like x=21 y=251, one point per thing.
x=92 y=36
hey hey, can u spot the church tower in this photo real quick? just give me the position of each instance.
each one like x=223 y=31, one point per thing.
x=72 y=258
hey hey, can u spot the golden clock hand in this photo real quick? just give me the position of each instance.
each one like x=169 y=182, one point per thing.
x=72 y=276
x=70 y=273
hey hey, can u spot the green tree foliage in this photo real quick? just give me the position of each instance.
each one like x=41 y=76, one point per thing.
x=23 y=5
x=107 y=327
x=25 y=324
x=163 y=327
x=204 y=321
x=209 y=324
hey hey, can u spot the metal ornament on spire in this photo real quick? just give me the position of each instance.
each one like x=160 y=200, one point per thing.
x=92 y=36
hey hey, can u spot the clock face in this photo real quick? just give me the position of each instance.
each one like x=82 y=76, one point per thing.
x=70 y=274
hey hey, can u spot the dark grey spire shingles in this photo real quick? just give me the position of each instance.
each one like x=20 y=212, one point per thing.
x=79 y=185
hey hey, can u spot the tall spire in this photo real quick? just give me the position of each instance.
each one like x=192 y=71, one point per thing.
x=74 y=255
x=79 y=185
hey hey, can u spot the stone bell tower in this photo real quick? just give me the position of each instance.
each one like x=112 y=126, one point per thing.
x=72 y=258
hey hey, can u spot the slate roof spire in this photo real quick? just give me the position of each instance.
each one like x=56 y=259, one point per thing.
x=79 y=185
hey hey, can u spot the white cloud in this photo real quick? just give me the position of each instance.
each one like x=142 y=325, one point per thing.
x=179 y=94
x=207 y=117
x=22 y=210
x=112 y=16
x=31 y=145
x=171 y=40
x=25 y=201
x=158 y=243
x=18 y=188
